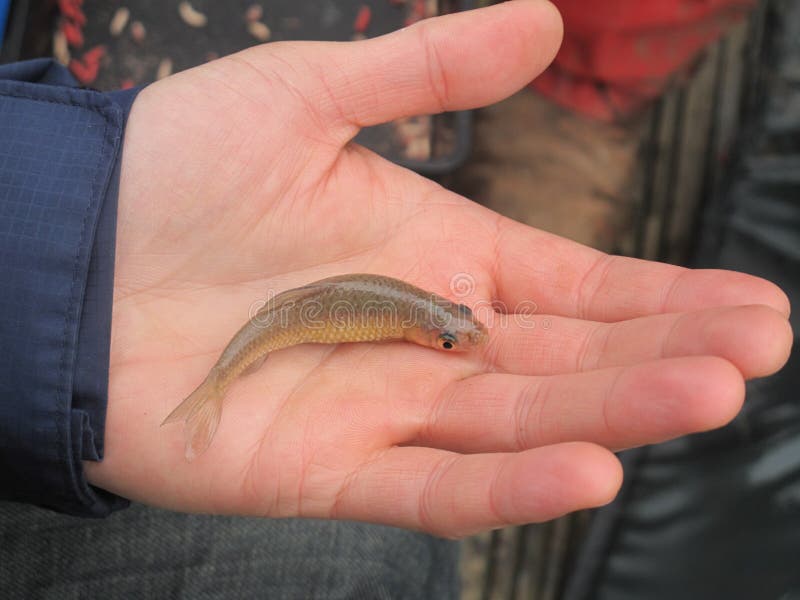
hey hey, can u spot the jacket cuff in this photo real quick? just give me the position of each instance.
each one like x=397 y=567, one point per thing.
x=60 y=150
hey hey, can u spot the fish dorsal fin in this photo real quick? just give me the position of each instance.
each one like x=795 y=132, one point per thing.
x=303 y=292
x=293 y=295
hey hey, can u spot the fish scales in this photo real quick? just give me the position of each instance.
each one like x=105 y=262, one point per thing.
x=342 y=309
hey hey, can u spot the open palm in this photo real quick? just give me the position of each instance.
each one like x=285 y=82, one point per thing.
x=239 y=182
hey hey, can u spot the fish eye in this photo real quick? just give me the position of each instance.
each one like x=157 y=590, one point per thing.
x=447 y=341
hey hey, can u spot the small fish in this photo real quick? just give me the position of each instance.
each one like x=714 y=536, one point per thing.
x=346 y=308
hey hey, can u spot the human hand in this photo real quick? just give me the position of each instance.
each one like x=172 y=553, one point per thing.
x=238 y=180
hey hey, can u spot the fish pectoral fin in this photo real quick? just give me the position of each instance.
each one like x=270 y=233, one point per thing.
x=254 y=366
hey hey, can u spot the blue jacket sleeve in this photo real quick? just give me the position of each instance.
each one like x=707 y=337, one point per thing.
x=59 y=172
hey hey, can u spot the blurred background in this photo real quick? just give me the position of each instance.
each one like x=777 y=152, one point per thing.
x=666 y=130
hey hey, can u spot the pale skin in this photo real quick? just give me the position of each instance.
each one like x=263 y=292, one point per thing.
x=238 y=179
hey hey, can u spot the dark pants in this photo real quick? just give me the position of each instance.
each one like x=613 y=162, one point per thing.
x=147 y=553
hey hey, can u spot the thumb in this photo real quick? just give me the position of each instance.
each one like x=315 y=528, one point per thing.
x=453 y=62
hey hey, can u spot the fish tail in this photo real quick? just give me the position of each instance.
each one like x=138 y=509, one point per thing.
x=200 y=412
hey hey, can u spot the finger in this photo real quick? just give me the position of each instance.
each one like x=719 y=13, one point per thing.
x=616 y=408
x=566 y=278
x=453 y=62
x=452 y=495
x=756 y=339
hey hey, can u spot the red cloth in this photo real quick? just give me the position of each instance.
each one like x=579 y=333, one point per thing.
x=618 y=55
